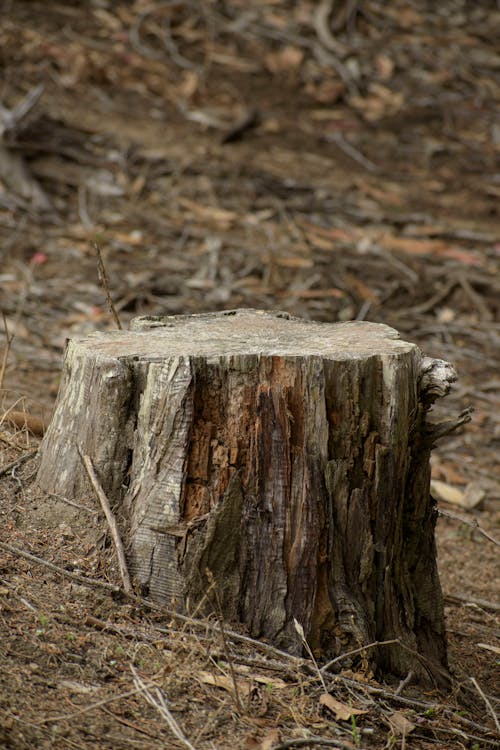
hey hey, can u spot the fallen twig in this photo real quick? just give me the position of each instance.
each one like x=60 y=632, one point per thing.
x=158 y=702
x=310 y=741
x=487 y=703
x=90 y=707
x=473 y=524
x=352 y=152
x=359 y=650
x=17 y=462
x=462 y=599
x=218 y=611
x=74 y=576
x=248 y=120
x=113 y=527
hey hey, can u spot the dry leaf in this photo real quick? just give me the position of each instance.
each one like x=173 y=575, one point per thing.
x=342 y=711
x=405 y=16
x=271 y=739
x=400 y=724
x=446 y=315
x=218 y=215
x=77 y=687
x=429 y=247
x=446 y=471
x=327 y=91
x=252 y=743
x=488 y=647
x=473 y=495
x=286 y=59
x=273 y=682
x=244 y=685
x=189 y=84
x=384 y=66
x=293 y=262
x=21 y=419
x=468 y=498
x=446 y=492
x=332 y=233
x=380 y=102
x=224 y=682
x=361 y=289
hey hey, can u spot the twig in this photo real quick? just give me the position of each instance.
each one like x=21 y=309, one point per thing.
x=18 y=461
x=224 y=641
x=352 y=152
x=475 y=298
x=298 y=661
x=248 y=120
x=404 y=683
x=122 y=563
x=90 y=707
x=473 y=524
x=72 y=503
x=359 y=650
x=310 y=741
x=487 y=702
x=160 y=704
x=103 y=278
x=6 y=351
x=74 y=576
x=462 y=599
x=321 y=22
x=11 y=119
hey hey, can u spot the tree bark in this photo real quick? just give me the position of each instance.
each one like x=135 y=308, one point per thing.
x=283 y=463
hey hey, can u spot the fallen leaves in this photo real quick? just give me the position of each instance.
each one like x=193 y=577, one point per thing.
x=400 y=725
x=380 y=102
x=245 y=684
x=222 y=218
x=285 y=60
x=469 y=498
x=342 y=711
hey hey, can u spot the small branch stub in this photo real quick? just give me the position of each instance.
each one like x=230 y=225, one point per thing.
x=282 y=461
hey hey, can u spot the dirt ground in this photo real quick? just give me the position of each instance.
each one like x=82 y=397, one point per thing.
x=337 y=160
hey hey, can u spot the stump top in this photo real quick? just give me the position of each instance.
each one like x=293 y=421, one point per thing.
x=246 y=332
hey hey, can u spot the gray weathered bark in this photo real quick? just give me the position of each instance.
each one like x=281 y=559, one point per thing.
x=283 y=461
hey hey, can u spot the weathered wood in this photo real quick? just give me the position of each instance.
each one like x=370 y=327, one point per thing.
x=283 y=461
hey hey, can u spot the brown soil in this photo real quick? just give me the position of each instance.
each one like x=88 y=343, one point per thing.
x=364 y=184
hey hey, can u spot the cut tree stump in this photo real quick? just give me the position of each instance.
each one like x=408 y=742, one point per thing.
x=282 y=462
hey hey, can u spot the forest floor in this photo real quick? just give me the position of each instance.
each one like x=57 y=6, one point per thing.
x=337 y=160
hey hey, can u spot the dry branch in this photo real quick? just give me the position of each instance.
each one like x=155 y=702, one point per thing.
x=113 y=527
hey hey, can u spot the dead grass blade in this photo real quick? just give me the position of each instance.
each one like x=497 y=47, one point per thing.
x=158 y=701
x=487 y=703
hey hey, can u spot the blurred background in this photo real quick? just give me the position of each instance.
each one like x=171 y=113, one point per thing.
x=338 y=160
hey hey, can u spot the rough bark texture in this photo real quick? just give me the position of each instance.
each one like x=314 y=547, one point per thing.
x=284 y=462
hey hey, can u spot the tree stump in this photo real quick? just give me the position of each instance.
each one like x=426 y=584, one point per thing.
x=281 y=461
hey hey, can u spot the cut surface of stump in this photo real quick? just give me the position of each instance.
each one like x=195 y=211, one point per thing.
x=282 y=462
